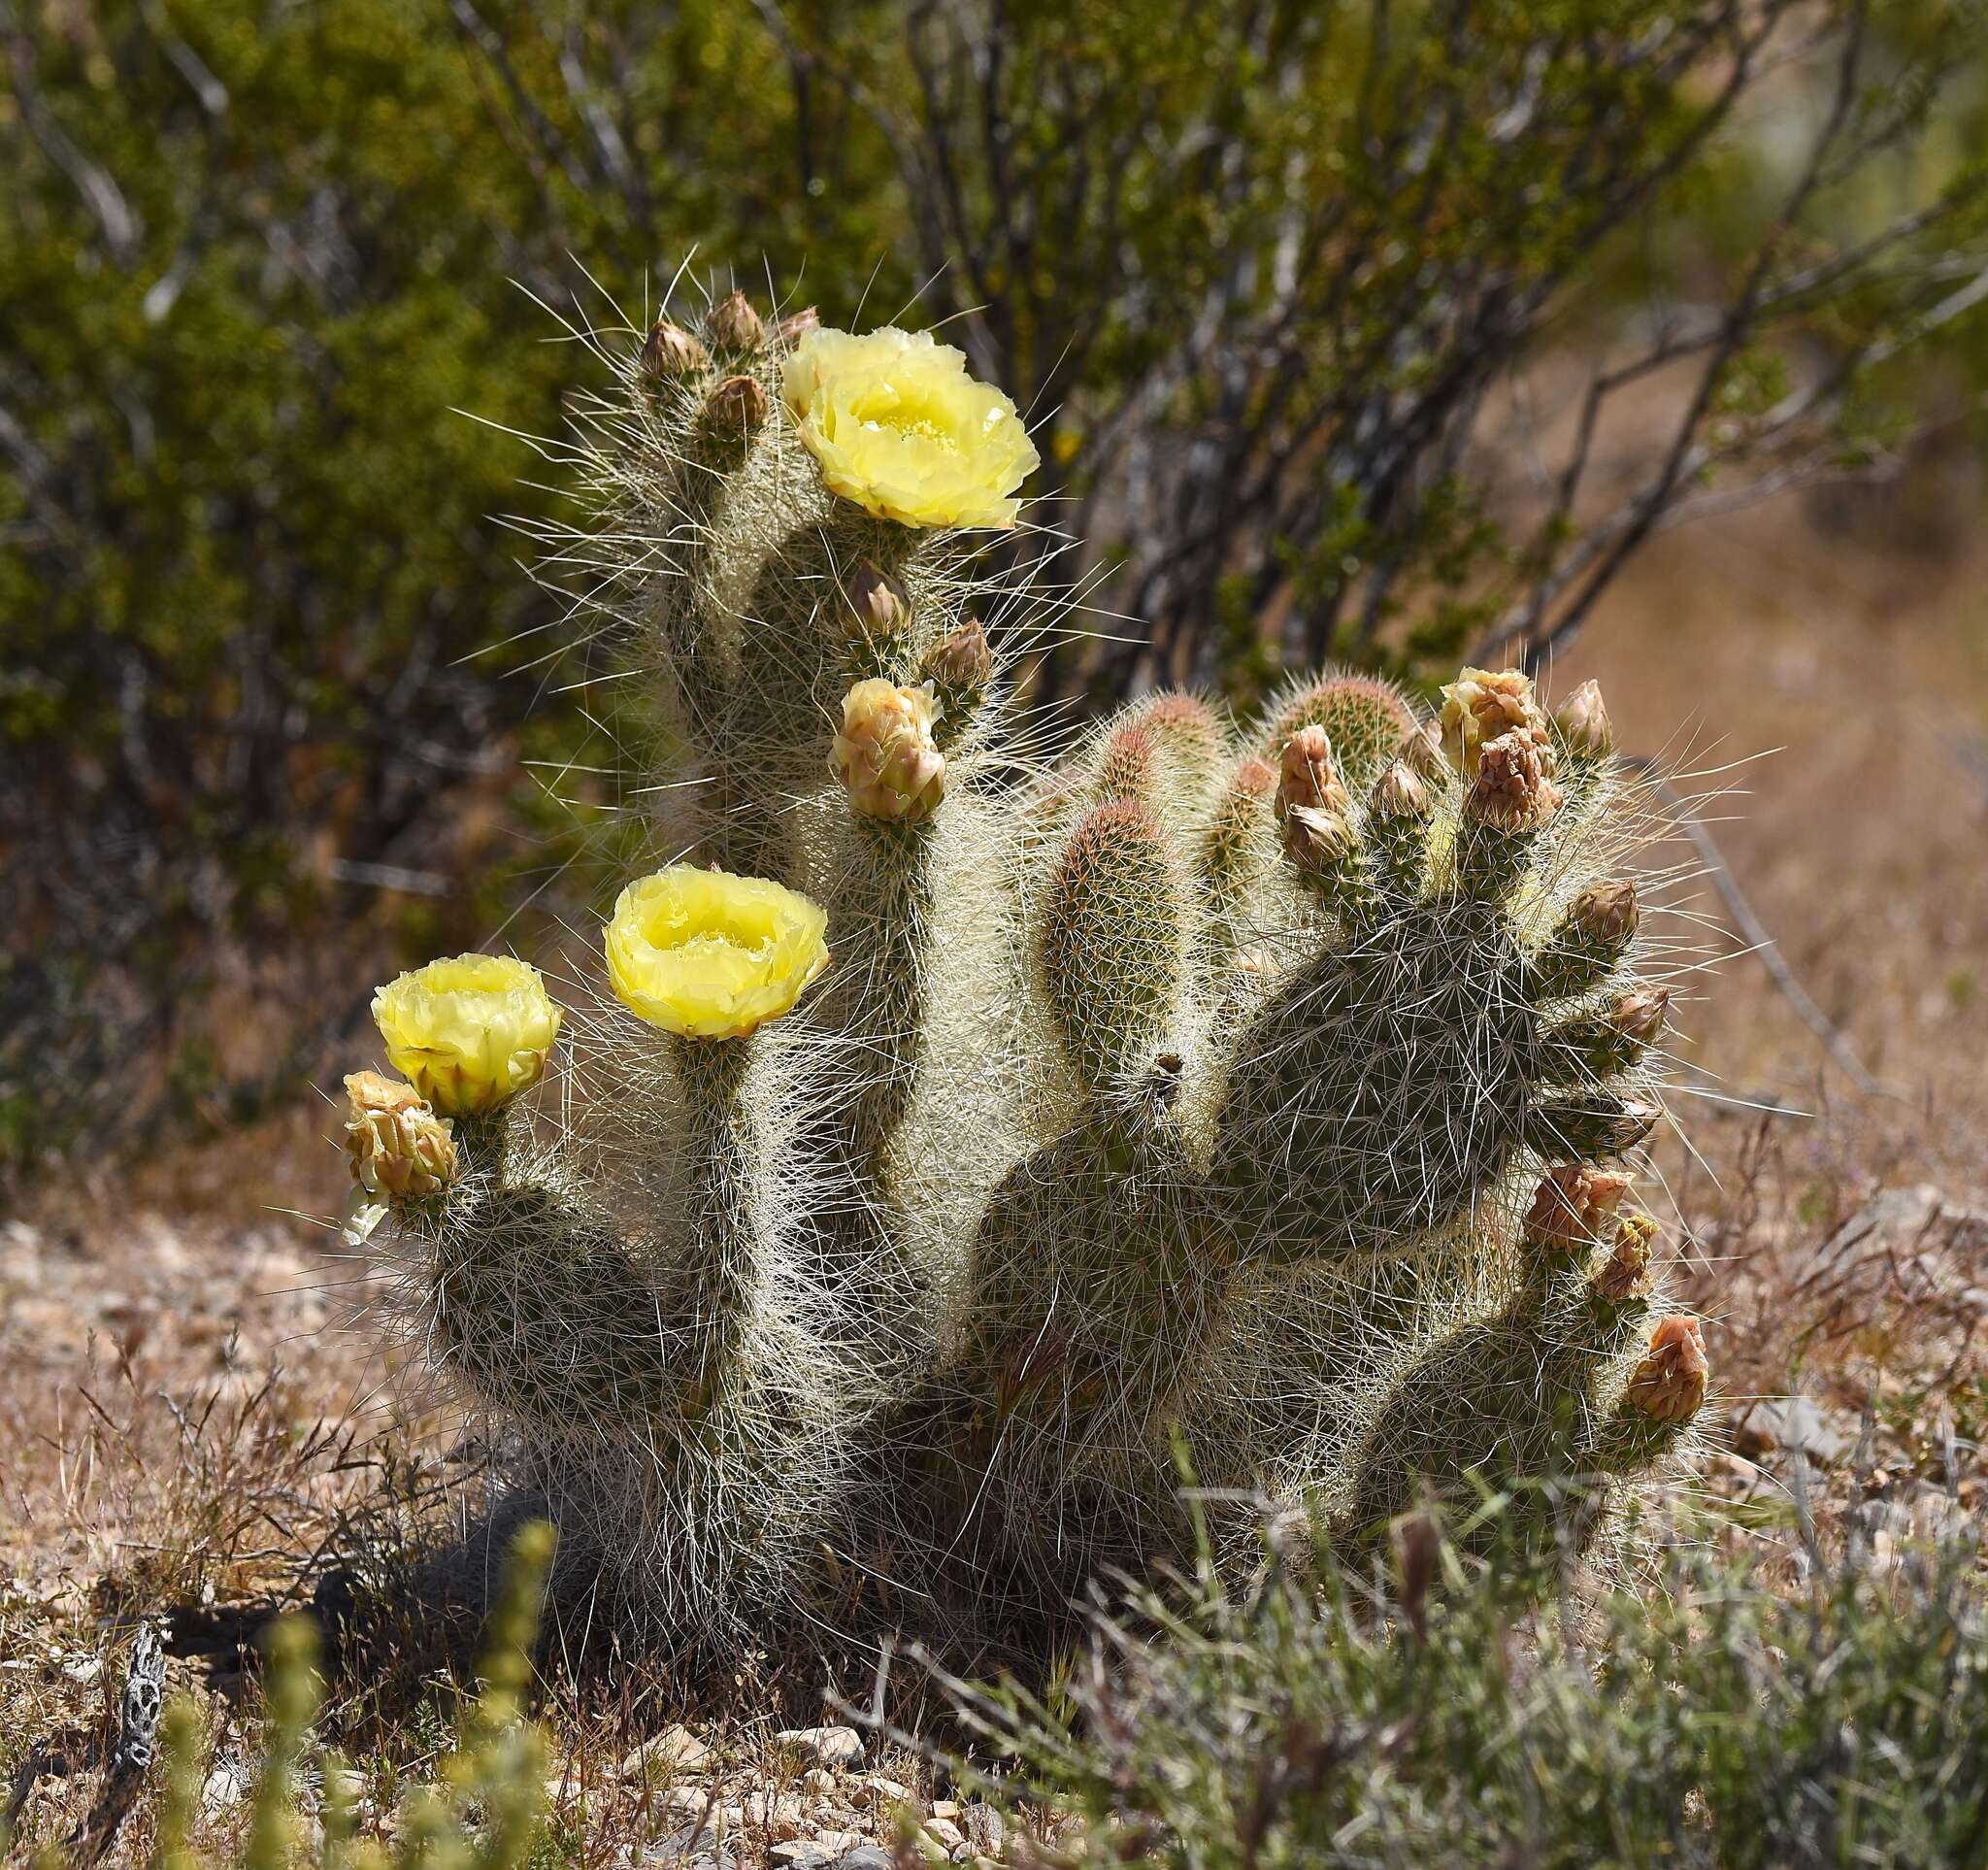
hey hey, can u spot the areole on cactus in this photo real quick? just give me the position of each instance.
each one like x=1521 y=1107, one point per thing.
x=1259 y=1086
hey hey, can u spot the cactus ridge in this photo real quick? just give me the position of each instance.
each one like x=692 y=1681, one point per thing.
x=1160 y=1086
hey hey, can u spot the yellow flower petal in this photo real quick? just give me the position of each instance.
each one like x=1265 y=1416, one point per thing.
x=711 y=956
x=901 y=429
x=469 y=1033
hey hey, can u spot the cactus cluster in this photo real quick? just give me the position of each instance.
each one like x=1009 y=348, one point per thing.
x=1242 y=1086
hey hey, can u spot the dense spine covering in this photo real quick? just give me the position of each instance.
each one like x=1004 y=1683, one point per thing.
x=1251 y=1085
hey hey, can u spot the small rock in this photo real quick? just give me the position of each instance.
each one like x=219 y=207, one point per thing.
x=840 y=1748
x=943 y=1832
x=818 y=1779
x=865 y=1857
x=676 y=1750
x=887 y=1788
x=228 y=1783
x=945 y=1807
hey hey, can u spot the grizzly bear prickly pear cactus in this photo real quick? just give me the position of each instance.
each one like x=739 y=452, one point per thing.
x=957 y=1138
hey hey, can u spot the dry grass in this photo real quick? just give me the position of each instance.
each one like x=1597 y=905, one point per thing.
x=187 y=1425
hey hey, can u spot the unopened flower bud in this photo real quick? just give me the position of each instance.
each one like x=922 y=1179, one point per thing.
x=1570 y=1206
x=1583 y=722
x=1316 y=839
x=1625 y=1274
x=1604 y=914
x=796 y=325
x=962 y=664
x=738 y=404
x=1638 y=1015
x=1400 y=794
x=399 y=1149
x=1421 y=753
x=885 y=755
x=1482 y=706
x=670 y=350
x=734 y=325
x=1598 y=1125
x=878 y=603
x=1669 y=1385
x=1512 y=791
x=1306 y=777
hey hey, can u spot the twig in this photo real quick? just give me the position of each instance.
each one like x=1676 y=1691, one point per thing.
x=145 y=1681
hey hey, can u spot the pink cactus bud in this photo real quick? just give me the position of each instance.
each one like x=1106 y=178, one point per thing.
x=1305 y=778
x=1640 y=1013
x=796 y=325
x=670 y=350
x=1401 y=794
x=885 y=755
x=734 y=325
x=1605 y=914
x=878 y=605
x=1669 y=1383
x=1583 y=722
x=738 y=404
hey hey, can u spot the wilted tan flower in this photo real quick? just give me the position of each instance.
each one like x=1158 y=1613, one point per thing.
x=885 y=755
x=1625 y=1274
x=1421 y=753
x=1583 y=722
x=1570 y=1206
x=1316 y=839
x=1486 y=705
x=1669 y=1385
x=1512 y=792
x=398 y=1146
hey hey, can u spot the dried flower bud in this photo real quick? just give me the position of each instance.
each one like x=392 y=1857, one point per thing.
x=796 y=325
x=1585 y=1128
x=1316 y=839
x=399 y=1149
x=885 y=755
x=1570 y=1206
x=878 y=603
x=1511 y=792
x=1625 y=1274
x=962 y=664
x=1400 y=794
x=670 y=350
x=1305 y=778
x=1638 y=1015
x=1482 y=706
x=1604 y=914
x=1583 y=722
x=1669 y=1385
x=738 y=404
x=1421 y=753
x=734 y=325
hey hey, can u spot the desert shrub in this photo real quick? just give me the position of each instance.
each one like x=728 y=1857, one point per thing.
x=1437 y=1712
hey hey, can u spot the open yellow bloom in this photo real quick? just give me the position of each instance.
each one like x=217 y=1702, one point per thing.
x=711 y=955
x=468 y=1033
x=900 y=428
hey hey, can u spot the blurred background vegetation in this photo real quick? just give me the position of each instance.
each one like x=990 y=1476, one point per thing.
x=1372 y=331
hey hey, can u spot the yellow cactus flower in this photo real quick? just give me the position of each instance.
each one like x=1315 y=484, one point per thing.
x=711 y=956
x=899 y=428
x=469 y=1033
